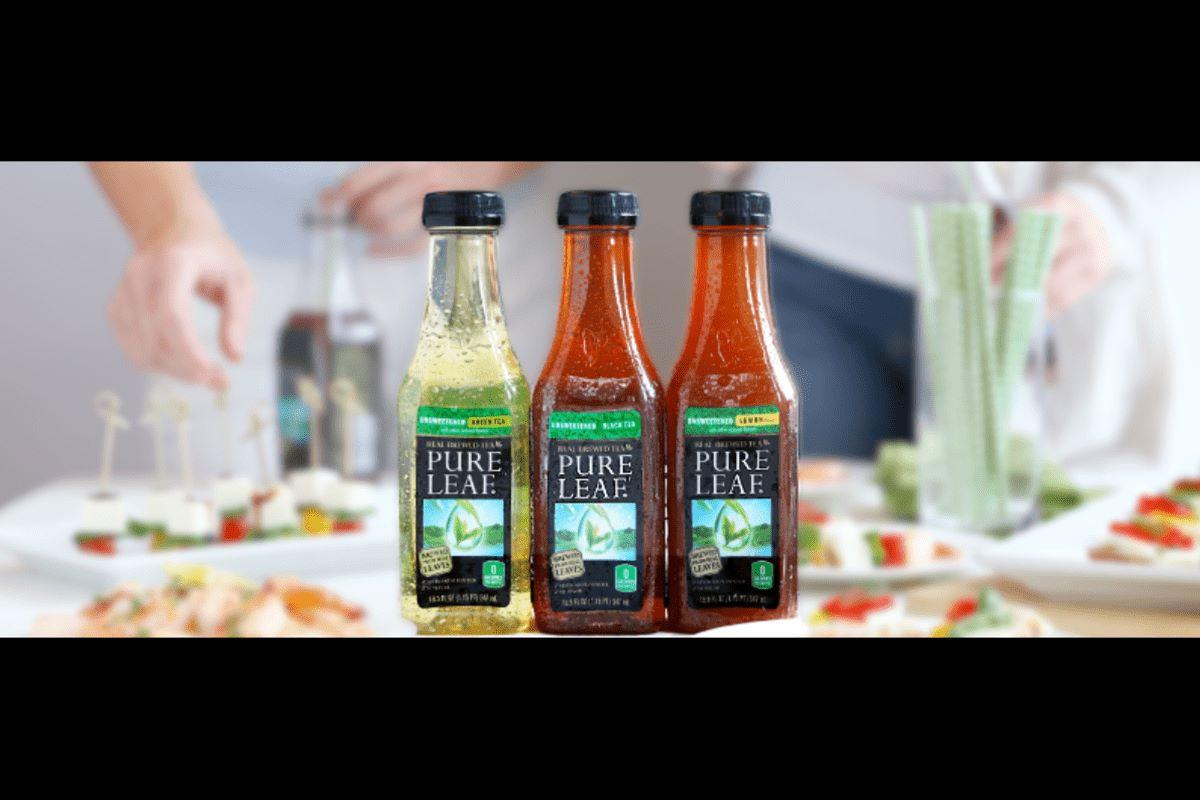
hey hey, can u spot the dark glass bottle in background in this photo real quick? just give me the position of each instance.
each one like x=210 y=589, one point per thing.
x=330 y=335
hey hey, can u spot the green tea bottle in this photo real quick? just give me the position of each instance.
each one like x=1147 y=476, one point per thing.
x=464 y=438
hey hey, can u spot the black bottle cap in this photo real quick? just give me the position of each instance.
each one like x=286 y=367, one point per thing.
x=463 y=210
x=597 y=207
x=731 y=208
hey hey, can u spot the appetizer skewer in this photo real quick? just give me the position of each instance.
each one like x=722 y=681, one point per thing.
x=103 y=516
x=161 y=498
x=350 y=503
x=845 y=544
x=1164 y=531
x=276 y=515
x=988 y=614
x=233 y=500
x=311 y=486
x=189 y=525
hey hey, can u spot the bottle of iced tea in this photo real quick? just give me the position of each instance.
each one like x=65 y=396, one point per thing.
x=463 y=414
x=597 y=437
x=732 y=432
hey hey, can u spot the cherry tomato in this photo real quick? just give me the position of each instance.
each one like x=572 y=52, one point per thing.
x=893 y=549
x=347 y=525
x=1168 y=536
x=1177 y=540
x=962 y=609
x=1163 y=505
x=234 y=529
x=1188 y=485
x=855 y=605
x=104 y=545
x=810 y=513
x=1132 y=531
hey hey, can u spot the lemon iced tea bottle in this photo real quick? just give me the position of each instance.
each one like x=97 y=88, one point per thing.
x=597 y=438
x=732 y=432
x=464 y=438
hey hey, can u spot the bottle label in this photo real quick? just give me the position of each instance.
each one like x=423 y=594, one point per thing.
x=594 y=483
x=731 y=508
x=297 y=358
x=293 y=420
x=360 y=363
x=464 y=495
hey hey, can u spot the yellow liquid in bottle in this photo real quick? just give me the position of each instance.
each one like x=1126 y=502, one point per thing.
x=464 y=361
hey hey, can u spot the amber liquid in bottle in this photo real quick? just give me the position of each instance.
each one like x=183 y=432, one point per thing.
x=732 y=438
x=597 y=452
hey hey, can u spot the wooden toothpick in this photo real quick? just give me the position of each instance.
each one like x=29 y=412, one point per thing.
x=181 y=411
x=108 y=406
x=222 y=399
x=345 y=396
x=152 y=418
x=310 y=393
x=258 y=424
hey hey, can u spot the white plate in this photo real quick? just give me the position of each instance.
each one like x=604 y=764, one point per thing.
x=39 y=529
x=811 y=576
x=856 y=489
x=775 y=629
x=799 y=627
x=1052 y=560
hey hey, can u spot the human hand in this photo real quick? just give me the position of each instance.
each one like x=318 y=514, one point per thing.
x=1083 y=257
x=385 y=197
x=151 y=308
x=727 y=169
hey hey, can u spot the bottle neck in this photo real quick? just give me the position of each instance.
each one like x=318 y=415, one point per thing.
x=328 y=284
x=731 y=315
x=464 y=294
x=598 y=334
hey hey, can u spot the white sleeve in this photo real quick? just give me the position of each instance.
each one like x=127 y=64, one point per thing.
x=1117 y=193
x=1128 y=384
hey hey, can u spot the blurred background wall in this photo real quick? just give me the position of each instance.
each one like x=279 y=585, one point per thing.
x=62 y=252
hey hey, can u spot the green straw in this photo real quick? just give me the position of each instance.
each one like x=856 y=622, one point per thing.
x=975 y=347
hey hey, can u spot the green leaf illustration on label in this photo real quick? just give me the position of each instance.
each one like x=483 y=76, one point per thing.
x=465 y=536
x=597 y=537
x=734 y=537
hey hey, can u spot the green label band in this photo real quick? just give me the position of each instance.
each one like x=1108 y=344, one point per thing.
x=747 y=420
x=625 y=424
x=478 y=422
